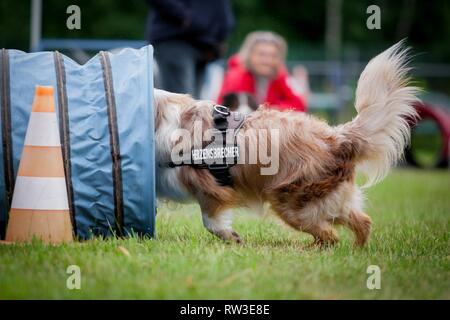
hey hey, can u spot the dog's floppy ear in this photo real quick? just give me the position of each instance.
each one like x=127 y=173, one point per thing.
x=158 y=102
x=162 y=99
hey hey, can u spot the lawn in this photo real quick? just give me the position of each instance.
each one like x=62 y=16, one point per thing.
x=410 y=243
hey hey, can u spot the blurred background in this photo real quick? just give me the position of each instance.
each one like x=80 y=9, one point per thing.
x=327 y=38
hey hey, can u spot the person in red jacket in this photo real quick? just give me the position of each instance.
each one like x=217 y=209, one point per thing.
x=259 y=70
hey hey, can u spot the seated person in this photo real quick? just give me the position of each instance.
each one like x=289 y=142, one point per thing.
x=258 y=70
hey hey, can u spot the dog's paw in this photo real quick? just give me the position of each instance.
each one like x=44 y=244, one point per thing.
x=236 y=238
x=230 y=236
x=320 y=244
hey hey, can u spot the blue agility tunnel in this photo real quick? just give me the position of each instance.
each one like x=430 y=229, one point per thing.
x=105 y=112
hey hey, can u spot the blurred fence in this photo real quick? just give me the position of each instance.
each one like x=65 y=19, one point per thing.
x=333 y=83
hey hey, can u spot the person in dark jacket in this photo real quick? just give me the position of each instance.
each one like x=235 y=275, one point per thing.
x=186 y=35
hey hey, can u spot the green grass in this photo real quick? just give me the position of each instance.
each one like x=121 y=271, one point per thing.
x=410 y=243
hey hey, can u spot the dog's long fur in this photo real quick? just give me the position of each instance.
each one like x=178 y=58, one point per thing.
x=314 y=188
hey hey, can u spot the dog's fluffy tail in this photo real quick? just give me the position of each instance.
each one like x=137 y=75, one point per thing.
x=384 y=102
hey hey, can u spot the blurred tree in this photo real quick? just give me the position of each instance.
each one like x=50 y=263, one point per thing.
x=123 y=19
x=425 y=23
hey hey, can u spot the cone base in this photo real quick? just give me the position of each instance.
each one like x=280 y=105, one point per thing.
x=50 y=226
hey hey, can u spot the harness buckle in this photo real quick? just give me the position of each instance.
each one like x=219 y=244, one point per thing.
x=222 y=110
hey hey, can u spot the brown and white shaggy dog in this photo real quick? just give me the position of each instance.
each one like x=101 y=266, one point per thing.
x=314 y=188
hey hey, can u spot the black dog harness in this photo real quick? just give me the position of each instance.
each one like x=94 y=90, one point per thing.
x=219 y=155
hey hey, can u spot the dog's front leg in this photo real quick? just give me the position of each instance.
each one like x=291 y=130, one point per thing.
x=219 y=223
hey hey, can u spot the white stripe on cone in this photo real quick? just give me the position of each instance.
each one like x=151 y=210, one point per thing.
x=40 y=193
x=42 y=130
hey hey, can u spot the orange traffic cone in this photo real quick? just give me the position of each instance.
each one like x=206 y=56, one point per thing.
x=39 y=206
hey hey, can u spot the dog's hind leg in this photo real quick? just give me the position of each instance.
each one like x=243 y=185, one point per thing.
x=360 y=223
x=323 y=233
x=321 y=229
x=352 y=215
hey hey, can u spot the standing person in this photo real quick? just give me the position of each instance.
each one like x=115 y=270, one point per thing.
x=186 y=35
x=259 y=70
